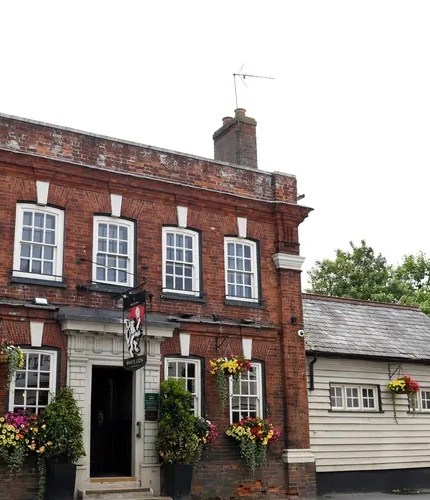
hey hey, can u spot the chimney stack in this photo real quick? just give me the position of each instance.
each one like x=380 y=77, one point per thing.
x=236 y=141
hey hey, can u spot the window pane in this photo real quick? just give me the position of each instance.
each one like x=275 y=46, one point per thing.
x=188 y=284
x=38 y=220
x=25 y=250
x=103 y=230
x=32 y=379
x=20 y=379
x=181 y=370
x=50 y=237
x=170 y=239
x=50 y=222
x=113 y=246
x=247 y=251
x=36 y=267
x=188 y=256
x=171 y=369
x=123 y=233
x=48 y=253
x=30 y=398
x=122 y=277
x=102 y=246
x=26 y=234
x=230 y=248
x=38 y=235
x=169 y=282
x=179 y=240
x=28 y=219
x=37 y=251
x=188 y=242
x=111 y=273
x=191 y=370
x=239 y=250
x=24 y=266
x=18 y=397
x=33 y=362
x=170 y=254
x=44 y=380
x=123 y=247
x=100 y=274
x=45 y=362
x=113 y=231
x=43 y=398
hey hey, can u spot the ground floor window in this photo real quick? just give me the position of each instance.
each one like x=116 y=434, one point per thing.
x=246 y=396
x=35 y=383
x=354 y=397
x=190 y=370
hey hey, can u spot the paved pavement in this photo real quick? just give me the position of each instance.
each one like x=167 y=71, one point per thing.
x=375 y=496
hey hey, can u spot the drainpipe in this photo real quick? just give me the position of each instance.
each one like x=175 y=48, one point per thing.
x=311 y=373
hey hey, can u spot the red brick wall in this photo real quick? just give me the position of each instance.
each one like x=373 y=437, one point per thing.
x=215 y=195
x=23 y=487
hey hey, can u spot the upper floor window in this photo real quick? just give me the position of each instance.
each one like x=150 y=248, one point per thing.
x=38 y=251
x=189 y=370
x=181 y=261
x=247 y=395
x=113 y=251
x=35 y=383
x=241 y=271
x=354 y=398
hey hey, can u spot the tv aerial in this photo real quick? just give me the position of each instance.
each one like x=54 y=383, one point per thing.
x=242 y=77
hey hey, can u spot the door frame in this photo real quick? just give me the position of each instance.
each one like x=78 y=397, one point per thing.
x=137 y=412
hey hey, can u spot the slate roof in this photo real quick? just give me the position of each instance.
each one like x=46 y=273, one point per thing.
x=365 y=329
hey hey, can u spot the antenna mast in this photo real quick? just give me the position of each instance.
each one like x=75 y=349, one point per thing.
x=242 y=77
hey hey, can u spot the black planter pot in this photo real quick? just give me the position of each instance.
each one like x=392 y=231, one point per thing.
x=60 y=481
x=178 y=478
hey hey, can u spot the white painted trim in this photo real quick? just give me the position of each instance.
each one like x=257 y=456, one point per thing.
x=196 y=259
x=241 y=227
x=184 y=340
x=36 y=333
x=42 y=190
x=99 y=219
x=254 y=268
x=57 y=268
x=182 y=216
x=296 y=456
x=159 y=332
x=116 y=205
x=288 y=261
x=247 y=348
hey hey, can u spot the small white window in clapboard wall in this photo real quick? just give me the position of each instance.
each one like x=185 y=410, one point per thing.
x=345 y=397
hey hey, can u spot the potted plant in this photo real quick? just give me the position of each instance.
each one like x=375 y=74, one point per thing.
x=63 y=428
x=13 y=356
x=177 y=441
x=222 y=368
x=253 y=435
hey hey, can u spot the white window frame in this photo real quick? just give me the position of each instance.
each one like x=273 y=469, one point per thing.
x=52 y=377
x=259 y=376
x=197 y=370
x=420 y=399
x=58 y=247
x=196 y=291
x=130 y=225
x=361 y=398
x=254 y=269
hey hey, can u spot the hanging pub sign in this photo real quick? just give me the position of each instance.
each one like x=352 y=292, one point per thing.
x=135 y=332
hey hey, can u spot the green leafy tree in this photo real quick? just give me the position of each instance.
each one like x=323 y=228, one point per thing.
x=360 y=273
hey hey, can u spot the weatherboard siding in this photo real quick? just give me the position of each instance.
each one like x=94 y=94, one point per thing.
x=353 y=441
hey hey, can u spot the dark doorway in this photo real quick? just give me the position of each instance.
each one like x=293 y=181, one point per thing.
x=111 y=421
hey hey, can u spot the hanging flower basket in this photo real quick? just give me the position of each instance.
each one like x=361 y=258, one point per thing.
x=404 y=385
x=13 y=356
x=253 y=435
x=225 y=367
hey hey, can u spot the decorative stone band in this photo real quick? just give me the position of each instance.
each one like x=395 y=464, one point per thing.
x=288 y=261
x=295 y=456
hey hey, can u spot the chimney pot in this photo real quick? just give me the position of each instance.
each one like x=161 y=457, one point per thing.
x=235 y=141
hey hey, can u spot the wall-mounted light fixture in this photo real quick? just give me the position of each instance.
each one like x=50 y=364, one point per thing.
x=41 y=301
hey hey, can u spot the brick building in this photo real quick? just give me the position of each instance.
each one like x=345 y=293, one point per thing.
x=84 y=218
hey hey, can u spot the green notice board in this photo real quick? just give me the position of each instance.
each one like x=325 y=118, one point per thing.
x=151 y=400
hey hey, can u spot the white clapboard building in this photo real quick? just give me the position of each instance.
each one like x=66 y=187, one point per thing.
x=354 y=348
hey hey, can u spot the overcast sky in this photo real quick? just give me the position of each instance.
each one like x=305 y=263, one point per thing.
x=348 y=112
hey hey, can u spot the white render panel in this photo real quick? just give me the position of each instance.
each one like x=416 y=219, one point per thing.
x=88 y=347
x=116 y=204
x=352 y=441
x=42 y=190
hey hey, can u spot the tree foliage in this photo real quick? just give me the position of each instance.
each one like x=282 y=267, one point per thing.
x=360 y=273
